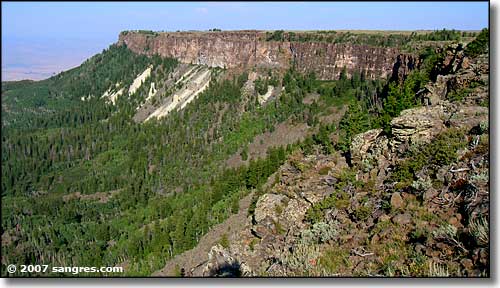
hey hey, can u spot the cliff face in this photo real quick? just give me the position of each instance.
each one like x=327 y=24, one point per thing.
x=313 y=218
x=249 y=49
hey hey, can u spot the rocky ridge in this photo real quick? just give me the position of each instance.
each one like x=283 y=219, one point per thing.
x=320 y=217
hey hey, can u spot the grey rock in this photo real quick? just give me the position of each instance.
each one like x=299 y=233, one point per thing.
x=221 y=264
x=417 y=125
x=266 y=206
x=402 y=219
x=362 y=142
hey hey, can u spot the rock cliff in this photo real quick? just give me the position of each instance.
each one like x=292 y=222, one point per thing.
x=247 y=49
x=413 y=202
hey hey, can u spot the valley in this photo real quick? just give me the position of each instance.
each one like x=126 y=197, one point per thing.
x=255 y=153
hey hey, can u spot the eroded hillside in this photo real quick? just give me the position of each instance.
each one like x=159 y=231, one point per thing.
x=411 y=199
x=133 y=158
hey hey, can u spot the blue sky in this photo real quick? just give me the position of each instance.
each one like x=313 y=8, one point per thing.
x=51 y=36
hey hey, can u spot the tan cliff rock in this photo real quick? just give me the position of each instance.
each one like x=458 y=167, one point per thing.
x=246 y=49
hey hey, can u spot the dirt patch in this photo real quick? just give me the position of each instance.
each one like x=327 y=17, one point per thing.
x=284 y=134
x=334 y=116
x=103 y=197
x=310 y=98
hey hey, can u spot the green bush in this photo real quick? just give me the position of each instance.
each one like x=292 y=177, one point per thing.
x=363 y=212
x=224 y=242
x=324 y=170
x=320 y=232
x=479 y=45
x=458 y=95
x=441 y=151
x=244 y=153
x=261 y=86
x=275 y=36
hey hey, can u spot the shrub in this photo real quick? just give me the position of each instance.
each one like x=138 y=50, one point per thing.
x=422 y=185
x=481 y=177
x=325 y=231
x=307 y=237
x=333 y=259
x=320 y=232
x=437 y=270
x=302 y=258
x=458 y=95
x=279 y=228
x=224 y=242
x=314 y=214
x=342 y=203
x=277 y=35
x=261 y=86
x=484 y=127
x=419 y=235
x=368 y=163
x=478 y=45
x=298 y=165
x=479 y=229
x=324 y=170
x=445 y=231
x=252 y=244
x=278 y=209
x=363 y=212
x=441 y=151
x=178 y=272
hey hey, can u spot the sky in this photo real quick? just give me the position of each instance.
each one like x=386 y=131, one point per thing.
x=43 y=38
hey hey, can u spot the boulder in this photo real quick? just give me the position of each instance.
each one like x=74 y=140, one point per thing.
x=430 y=194
x=361 y=143
x=433 y=93
x=469 y=116
x=397 y=201
x=221 y=264
x=294 y=212
x=266 y=206
x=453 y=58
x=417 y=125
x=261 y=231
x=402 y=219
x=317 y=193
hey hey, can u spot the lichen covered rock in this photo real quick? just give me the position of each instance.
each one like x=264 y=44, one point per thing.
x=417 y=125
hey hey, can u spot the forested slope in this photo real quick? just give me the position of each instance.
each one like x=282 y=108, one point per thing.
x=84 y=184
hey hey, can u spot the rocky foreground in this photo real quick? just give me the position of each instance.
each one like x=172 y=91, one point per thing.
x=412 y=202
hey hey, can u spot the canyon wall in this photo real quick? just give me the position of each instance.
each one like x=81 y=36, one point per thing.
x=247 y=49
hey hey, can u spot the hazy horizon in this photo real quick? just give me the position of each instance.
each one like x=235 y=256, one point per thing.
x=69 y=33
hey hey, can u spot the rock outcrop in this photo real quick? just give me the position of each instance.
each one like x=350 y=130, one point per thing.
x=246 y=49
x=405 y=63
x=417 y=125
x=391 y=213
x=455 y=73
x=222 y=264
x=362 y=142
